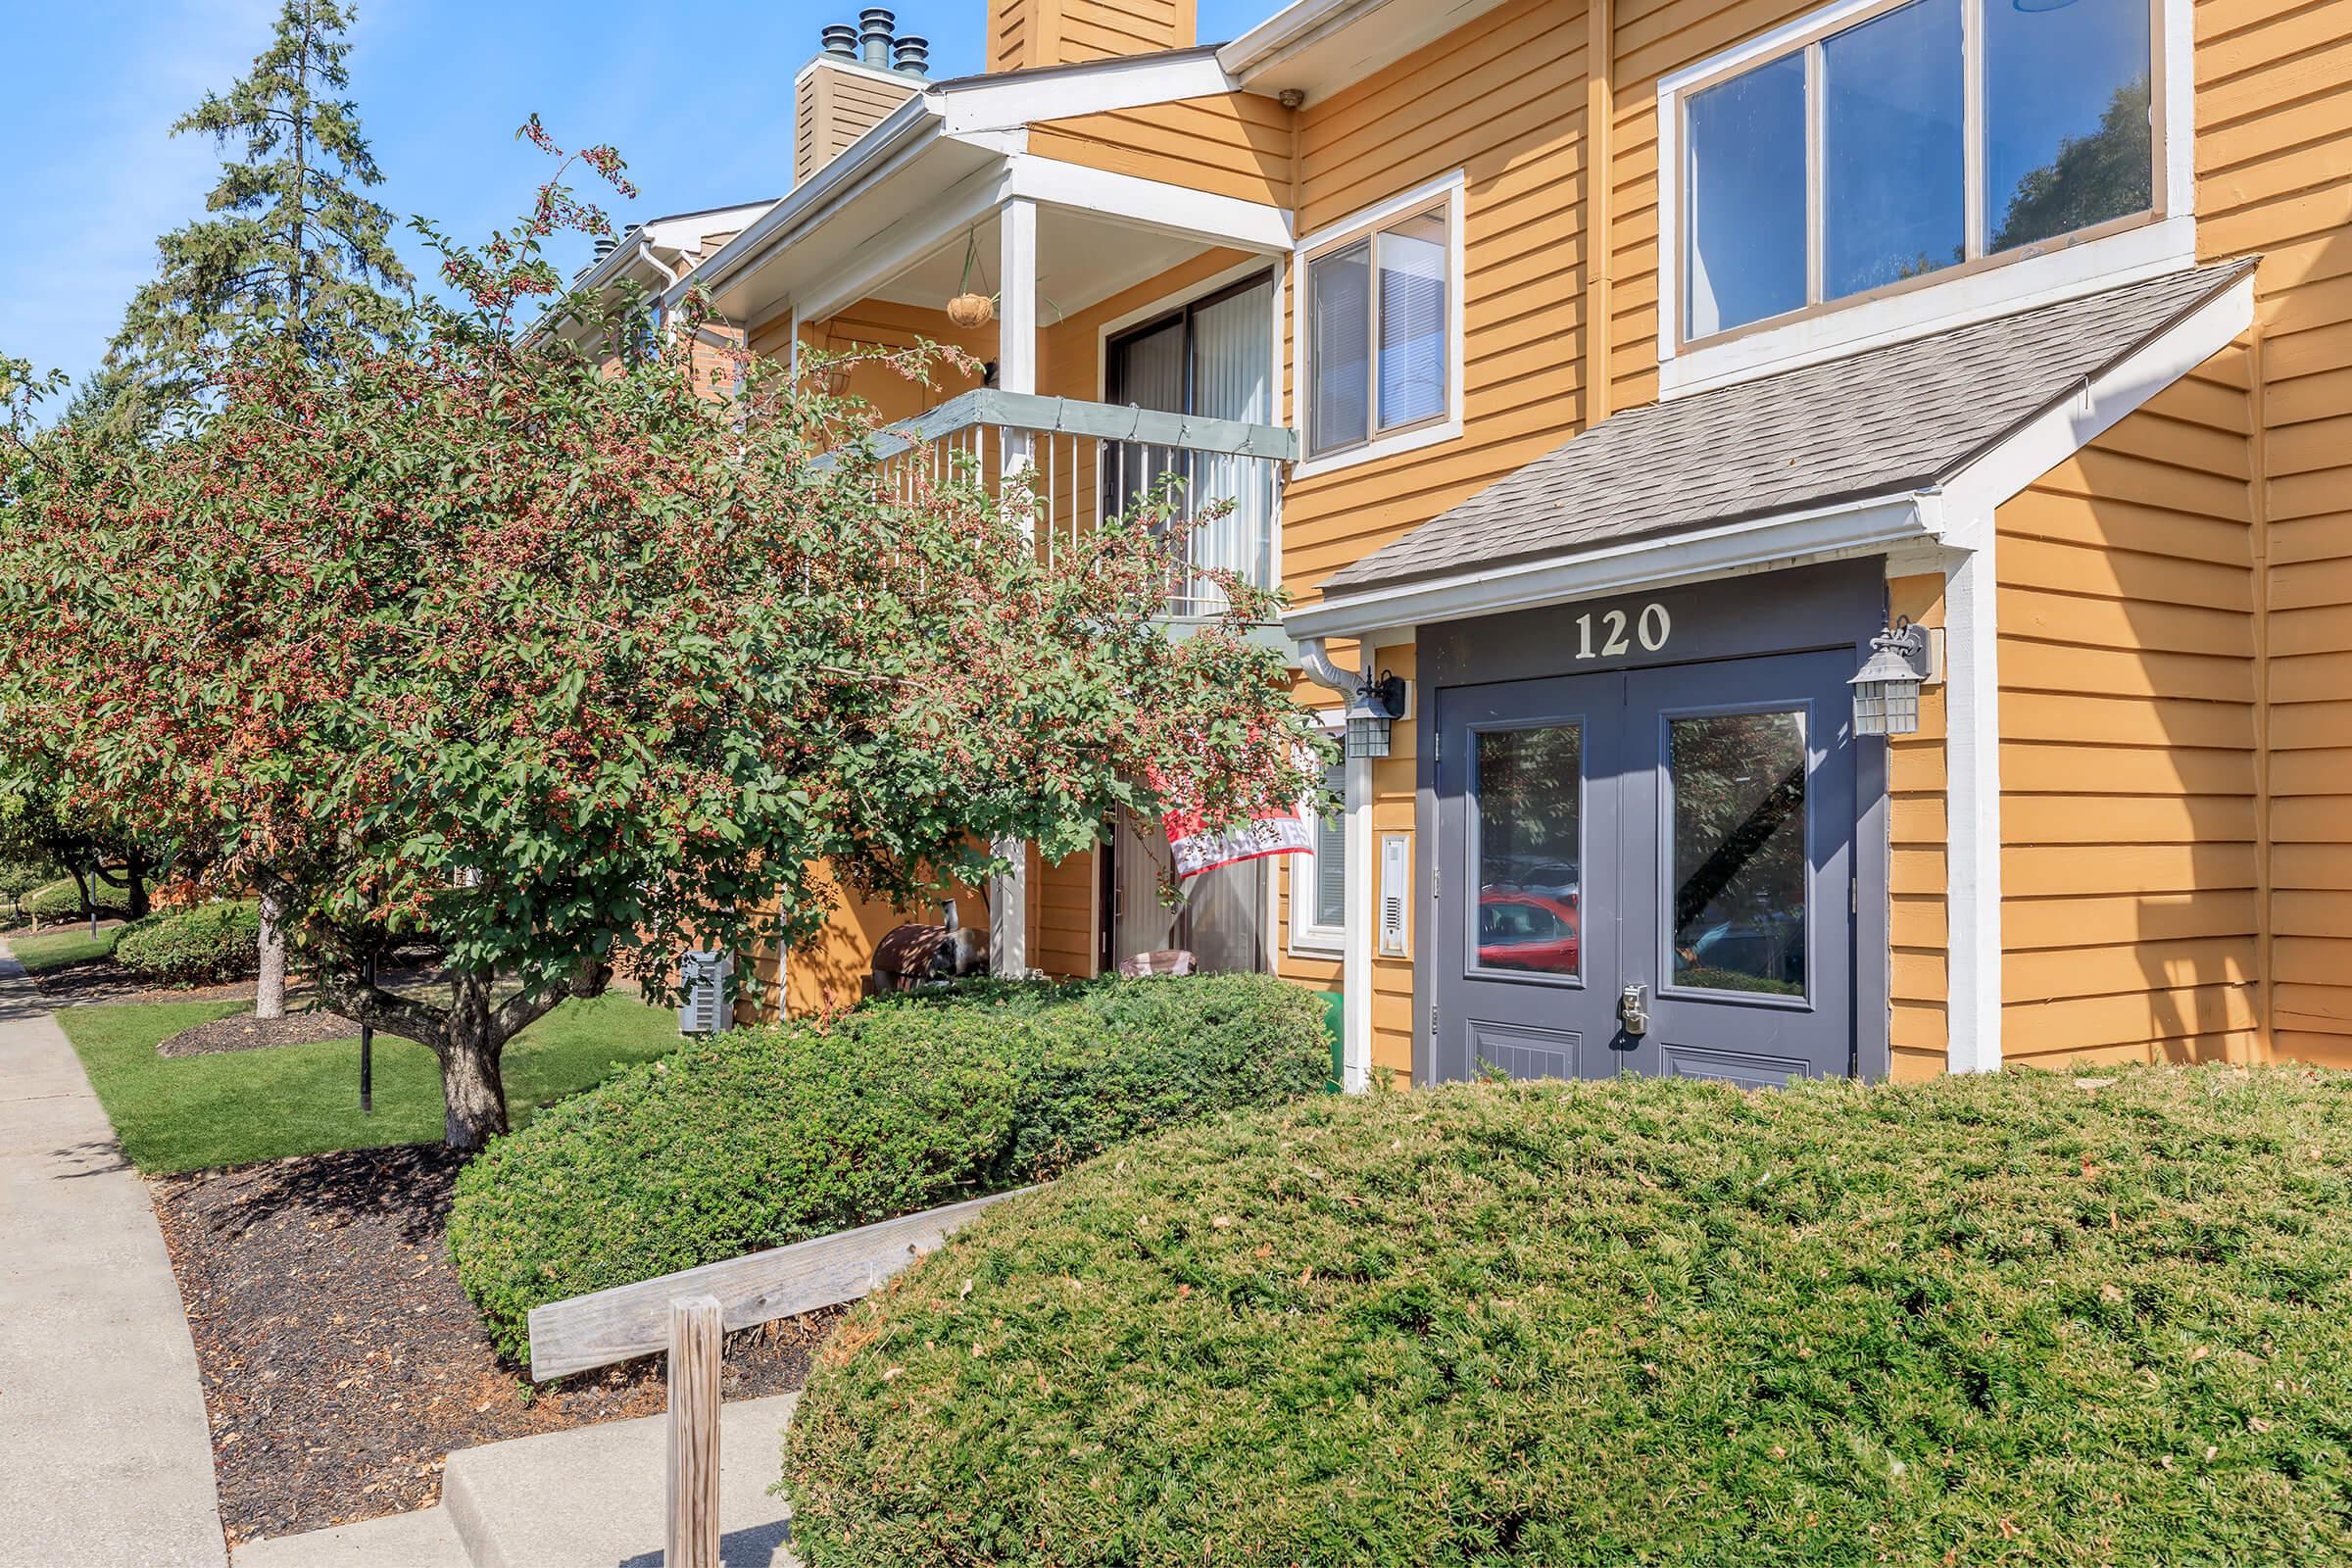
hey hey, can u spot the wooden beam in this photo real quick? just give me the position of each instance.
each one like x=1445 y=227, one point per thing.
x=632 y=1320
x=692 y=1494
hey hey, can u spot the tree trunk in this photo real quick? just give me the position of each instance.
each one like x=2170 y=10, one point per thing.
x=473 y=1096
x=134 y=872
x=270 y=998
x=90 y=898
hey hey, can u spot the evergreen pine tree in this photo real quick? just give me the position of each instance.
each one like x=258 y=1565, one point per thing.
x=292 y=245
x=291 y=242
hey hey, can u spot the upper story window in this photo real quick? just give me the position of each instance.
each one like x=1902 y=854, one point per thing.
x=1380 y=330
x=1880 y=146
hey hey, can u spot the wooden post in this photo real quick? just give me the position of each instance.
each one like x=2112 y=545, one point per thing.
x=695 y=1334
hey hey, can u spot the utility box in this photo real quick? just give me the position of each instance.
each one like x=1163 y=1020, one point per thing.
x=703 y=1010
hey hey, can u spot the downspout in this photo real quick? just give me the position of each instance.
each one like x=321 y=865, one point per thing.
x=1356 y=941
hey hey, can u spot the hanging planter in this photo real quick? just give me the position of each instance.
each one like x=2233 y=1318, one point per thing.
x=967 y=309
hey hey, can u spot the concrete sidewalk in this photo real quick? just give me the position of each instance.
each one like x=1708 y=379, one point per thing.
x=105 y=1457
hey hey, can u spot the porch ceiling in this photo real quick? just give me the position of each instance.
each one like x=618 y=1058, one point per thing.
x=1082 y=260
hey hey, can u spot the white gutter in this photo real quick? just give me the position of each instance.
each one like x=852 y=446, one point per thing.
x=906 y=129
x=1289 y=28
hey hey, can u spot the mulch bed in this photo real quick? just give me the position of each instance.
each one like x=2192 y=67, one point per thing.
x=241 y=1031
x=341 y=1361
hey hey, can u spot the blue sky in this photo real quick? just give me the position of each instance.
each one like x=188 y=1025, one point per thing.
x=698 y=101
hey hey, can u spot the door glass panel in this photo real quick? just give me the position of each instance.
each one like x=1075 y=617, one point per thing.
x=1529 y=849
x=1737 y=920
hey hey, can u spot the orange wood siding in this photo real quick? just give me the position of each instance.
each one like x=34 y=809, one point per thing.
x=2274 y=142
x=1916 y=985
x=1394 y=801
x=1318 y=969
x=891 y=326
x=1236 y=144
x=1022 y=34
x=1502 y=100
x=2127 y=727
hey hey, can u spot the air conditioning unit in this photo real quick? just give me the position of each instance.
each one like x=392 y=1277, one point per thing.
x=702 y=1009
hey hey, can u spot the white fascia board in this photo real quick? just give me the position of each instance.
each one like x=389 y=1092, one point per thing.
x=1322 y=46
x=677 y=234
x=2058 y=432
x=900 y=136
x=1287 y=28
x=1784 y=539
x=1150 y=204
x=1099 y=87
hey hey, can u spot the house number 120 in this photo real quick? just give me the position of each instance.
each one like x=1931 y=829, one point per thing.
x=1654 y=627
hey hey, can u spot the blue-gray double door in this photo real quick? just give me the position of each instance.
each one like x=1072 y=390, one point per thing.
x=1647 y=870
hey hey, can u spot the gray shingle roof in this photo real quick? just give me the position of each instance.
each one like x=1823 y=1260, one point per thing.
x=1892 y=419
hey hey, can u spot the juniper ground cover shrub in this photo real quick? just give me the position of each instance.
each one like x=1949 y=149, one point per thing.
x=1997 y=1319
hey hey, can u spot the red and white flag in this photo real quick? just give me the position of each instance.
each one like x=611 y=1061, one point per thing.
x=1199 y=850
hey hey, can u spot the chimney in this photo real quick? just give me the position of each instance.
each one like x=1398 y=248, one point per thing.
x=851 y=87
x=604 y=245
x=1023 y=34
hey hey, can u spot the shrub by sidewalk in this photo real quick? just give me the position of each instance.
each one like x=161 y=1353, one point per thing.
x=60 y=900
x=1985 y=1319
x=201 y=945
x=765 y=1136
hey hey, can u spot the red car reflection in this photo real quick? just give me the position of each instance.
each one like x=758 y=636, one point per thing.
x=1519 y=930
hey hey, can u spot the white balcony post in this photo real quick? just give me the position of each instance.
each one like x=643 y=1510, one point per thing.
x=1016 y=371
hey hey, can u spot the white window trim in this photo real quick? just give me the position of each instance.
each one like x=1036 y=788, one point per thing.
x=1451 y=188
x=2165 y=243
x=1309 y=939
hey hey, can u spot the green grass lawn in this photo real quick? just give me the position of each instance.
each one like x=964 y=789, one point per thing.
x=53 y=949
x=234 y=1107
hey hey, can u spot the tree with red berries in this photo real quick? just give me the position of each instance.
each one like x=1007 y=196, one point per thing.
x=460 y=636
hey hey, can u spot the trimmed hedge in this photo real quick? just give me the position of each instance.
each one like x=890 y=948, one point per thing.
x=200 y=945
x=19 y=877
x=2016 y=1318
x=765 y=1136
x=62 y=901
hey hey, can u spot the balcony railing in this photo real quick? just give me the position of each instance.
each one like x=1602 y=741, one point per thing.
x=1090 y=460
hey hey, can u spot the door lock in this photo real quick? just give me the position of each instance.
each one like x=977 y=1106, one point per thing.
x=1633 y=1011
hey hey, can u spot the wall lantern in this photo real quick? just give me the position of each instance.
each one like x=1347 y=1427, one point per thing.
x=1903 y=660
x=1376 y=705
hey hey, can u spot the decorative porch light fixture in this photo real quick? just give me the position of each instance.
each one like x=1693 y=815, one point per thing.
x=1903 y=659
x=1376 y=706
